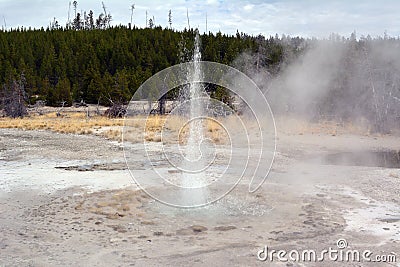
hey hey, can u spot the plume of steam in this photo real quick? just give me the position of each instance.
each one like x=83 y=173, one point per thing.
x=338 y=79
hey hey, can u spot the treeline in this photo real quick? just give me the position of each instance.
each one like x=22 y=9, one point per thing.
x=64 y=65
x=337 y=78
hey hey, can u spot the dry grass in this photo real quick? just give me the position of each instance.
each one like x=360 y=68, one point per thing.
x=153 y=137
x=216 y=132
x=72 y=123
x=113 y=135
x=174 y=123
x=290 y=125
x=170 y=126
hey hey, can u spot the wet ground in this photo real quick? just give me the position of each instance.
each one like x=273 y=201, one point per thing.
x=69 y=200
x=385 y=159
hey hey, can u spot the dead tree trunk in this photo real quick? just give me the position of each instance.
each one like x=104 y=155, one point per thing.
x=13 y=99
x=378 y=122
x=161 y=105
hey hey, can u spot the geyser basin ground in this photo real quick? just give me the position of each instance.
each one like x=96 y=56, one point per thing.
x=48 y=218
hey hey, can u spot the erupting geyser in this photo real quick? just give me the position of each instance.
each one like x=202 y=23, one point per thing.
x=202 y=149
x=194 y=189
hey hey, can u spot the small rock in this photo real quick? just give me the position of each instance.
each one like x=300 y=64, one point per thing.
x=118 y=228
x=308 y=222
x=84 y=168
x=158 y=233
x=147 y=223
x=115 y=215
x=198 y=228
x=225 y=228
x=174 y=171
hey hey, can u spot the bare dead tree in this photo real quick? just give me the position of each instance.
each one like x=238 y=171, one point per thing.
x=206 y=24
x=14 y=98
x=69 y=11
x=5 y=23
x=117 y=109
x=132 y=8
x=87 y=113
x=61 y=108
x=39 y=106
x=98 y=106
x=187 y=15
x=170 y=19
x=75 y=3
x=378 y=118
x=107 y=16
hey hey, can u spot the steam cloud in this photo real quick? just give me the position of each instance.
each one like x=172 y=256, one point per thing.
x=339 y=79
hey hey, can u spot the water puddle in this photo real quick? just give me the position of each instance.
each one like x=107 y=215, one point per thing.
x=384 y=159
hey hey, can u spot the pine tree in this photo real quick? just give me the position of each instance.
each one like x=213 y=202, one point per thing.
x=151 y=23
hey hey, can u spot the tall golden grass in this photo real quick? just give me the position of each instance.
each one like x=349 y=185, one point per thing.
x=73 y=123
x=293 y=125
x=151 y=128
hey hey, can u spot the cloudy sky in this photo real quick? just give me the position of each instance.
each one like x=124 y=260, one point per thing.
x=307 y=18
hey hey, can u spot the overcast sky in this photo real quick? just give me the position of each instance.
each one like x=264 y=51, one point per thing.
x=307 y=18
